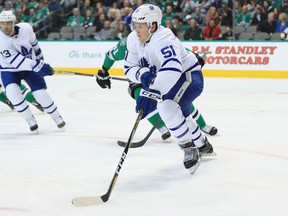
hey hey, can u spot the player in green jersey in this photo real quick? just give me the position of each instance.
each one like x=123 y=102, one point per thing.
x=117 y=53
x=27 y=95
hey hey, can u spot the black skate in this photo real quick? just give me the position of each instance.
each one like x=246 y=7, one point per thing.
x=59 y=122
x=38 y=106
x=191 y=156
x=209 y=130
x=165 y=133
x=207 y=149
x=33 y=124
x=8 y=103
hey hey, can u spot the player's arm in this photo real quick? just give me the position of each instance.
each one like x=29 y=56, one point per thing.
x=117 y=53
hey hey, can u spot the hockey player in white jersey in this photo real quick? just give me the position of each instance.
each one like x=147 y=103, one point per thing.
x=22 y=59
x=171 y=79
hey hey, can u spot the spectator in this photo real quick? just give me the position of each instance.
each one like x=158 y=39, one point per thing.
x=168 y=14
x=56 y=11
x=193 y=32
x=54 y=6
x=20 y=16
x=268 y=25
x=32 y=4
x=227 y=19
x=121 y=31
x=212 y=31
x=177 y=24
x=18 y=4
x=228 y=34
x=88 y=19
x=282 y=23
x=68 y=5
x=42 y=13
x=169 y=24
x=85 y=7
x=258 y=16
x=199 y=17
x=75 y=19
x=116 y=22
x=205 y=5
x=99 y=23
x=284 y=7
x=266 y=7
x=32 y=18
x=212 y=14
x=244 y=18
x=126 y=15
x=223 y=9
x=106 y=33
x=112 y=13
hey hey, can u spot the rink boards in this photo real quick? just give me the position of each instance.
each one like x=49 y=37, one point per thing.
x=223 y=59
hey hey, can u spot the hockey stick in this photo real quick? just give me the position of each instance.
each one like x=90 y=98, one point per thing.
x=90 y=75
x=86 y=201
x=143 y=141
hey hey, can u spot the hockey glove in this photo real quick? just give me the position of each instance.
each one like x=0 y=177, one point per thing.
x=147 y=100
x=103 y=79
x=145 y=76
x=43 y=68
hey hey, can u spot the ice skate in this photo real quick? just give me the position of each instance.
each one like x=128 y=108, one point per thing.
x=209 y=130
x=8 y=103
x=59 y=122
x=207 y=149
x=38 y=106
x=33 y=124
x=191 y=156
x=165 y=134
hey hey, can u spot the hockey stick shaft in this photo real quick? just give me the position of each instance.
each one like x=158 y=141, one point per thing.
x=143 y=141
x=90 y=75
x=85 y=201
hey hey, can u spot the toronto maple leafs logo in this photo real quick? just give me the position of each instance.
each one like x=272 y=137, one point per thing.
x=144 y=63
x=26 y=52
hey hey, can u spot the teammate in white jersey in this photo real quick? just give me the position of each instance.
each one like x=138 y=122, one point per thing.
x=22 y=59
x=171 y=79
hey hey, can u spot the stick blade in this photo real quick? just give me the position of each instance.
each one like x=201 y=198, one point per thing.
x=87 y=201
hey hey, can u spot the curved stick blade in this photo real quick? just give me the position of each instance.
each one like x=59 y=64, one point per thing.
x=86 y=201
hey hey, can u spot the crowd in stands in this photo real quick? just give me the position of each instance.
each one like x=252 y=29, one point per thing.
x=188 y=19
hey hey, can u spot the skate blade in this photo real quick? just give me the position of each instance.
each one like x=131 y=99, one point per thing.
x=208 y=154
x=35 y=132
x=195 y=167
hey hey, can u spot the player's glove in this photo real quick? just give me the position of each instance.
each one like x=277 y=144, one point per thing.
x=145 y=76
x=147 y=100
x=103 y=79
x=200 y=59
x=43 y=68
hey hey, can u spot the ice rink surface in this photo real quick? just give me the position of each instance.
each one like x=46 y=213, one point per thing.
x=40 y=174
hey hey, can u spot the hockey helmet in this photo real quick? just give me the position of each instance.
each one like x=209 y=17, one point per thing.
x=147 y=13
x=7 y=16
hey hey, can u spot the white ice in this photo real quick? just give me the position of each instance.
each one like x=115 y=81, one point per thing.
x=40 y=174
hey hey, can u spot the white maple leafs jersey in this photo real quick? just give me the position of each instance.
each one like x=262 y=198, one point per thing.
x=164 y=54
x=19 y=52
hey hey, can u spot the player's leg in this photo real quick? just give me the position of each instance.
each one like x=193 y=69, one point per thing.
x=173 y=117
x=29 y=97
x=11 y=82
x=38 y=87
x=197 y=116
x=134 y=90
